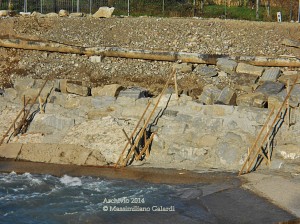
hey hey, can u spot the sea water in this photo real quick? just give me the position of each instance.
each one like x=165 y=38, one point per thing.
x=31 y=198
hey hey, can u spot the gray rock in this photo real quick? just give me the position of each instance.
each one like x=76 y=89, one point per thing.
x=22 y=84
x=183 y=67
x=252 y=99
x=271 y=74
x=270 y=88
x=96 y=59
x=76 y=14
x=134 y=92
x=2 y=91
x=50 y=123
x=103 y=101
x=51 y=14
x=243 y=79
x=63 y=13
x=249 y=69
x=77 y=89
x=104 y=12
x=209 y=95
x=108 y=90
x=226 y=65
x=10 y=94
x=227 y=97
x=204 y=70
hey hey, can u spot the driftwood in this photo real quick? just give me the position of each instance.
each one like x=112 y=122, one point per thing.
x=143 y=54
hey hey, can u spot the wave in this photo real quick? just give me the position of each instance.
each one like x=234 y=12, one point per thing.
x=70 y=181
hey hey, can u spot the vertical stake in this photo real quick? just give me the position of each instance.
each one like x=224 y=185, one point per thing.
x=288 y=105
x=248 y=152
x=268 y=147
x=176 y=87
x=24 y=106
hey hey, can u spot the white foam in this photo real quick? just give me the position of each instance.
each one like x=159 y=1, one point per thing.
x=70 y=181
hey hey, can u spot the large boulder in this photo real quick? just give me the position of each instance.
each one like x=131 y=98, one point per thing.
x=77 y=89
x=270 y=74
x=249 y=69
x=209 y=95
x=270 y=88
x=104 y=12
x=76 y=14
x=51 y=14
x=226 y=65
x=204 y=70
x=183 y=67
x=63 y=13
x=134 y=92
x=227 y=97
x=252 y=99
x=108 y=90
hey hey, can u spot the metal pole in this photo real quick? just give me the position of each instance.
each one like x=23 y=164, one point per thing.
x=90 y=6
x=194 y=5
x=225 y=9
x=128 y=7
x=164 y=7
x=42 y=6
x=77 y=5
x=299 y=12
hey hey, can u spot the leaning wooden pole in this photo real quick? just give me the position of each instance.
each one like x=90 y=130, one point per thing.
x=188 y=57
x=141 y=133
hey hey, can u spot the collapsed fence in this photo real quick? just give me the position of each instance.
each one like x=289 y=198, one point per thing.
x=232 y=9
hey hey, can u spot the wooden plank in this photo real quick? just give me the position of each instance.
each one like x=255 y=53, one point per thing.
x=146 y=147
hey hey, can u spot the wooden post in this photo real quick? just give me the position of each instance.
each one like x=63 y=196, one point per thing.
x=248 y=152
x=176 y=87
x=42 y=111
x=288 y=105
x=268 y=147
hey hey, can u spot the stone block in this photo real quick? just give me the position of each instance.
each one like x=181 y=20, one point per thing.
x=248 y=100
x=134 y=92
x=103 y=101
x=63 y=13
x=249 y=69
x=96 y=59
x=107 y=90
x=270 y=88
x=49 y=123
x=76 y=14
x=38 y=152
x=291 y=78
x=10 y=94
x=226 y=65
x=77 y=89
x=99 y=113
x=209 y=95
x=183 y=67
x=204 y=70
x=10 y=151
x=183 y=152
x=227 y=97
x=71 y=154
x=104 y=12
x=217 y=110
x=51 y=15
x=270 y=74
x=243 y=79
x=22 y=84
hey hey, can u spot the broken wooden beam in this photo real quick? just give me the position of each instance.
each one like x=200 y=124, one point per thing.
x=171 y=56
